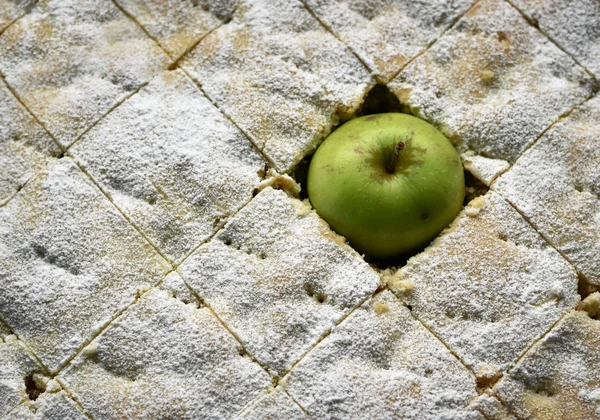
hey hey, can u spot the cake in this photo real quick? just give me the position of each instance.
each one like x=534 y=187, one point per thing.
x=159 y=257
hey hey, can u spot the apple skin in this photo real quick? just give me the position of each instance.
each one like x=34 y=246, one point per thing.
x=385 y=214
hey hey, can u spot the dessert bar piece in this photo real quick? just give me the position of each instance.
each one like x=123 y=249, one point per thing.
x=493 y=83
x=282 y=77
x=489 y=286
x=164 y=359
x=279 y=278
x=173 y=164
x=71 y=61
x=382 y=363
x=24 y=145
x=385 y=34
x=69 y=262
x=556 y=186
x=572 y=24
x=560 y=376
x=178 y=25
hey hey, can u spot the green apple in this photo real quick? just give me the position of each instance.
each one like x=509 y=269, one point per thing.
x=389 y=183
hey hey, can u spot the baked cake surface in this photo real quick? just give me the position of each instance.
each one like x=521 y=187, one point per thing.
x=159 y=258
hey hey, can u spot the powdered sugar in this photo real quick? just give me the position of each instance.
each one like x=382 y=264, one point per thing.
x=71 y=60
x=556 y=185
x=560 y=376
x=172 y=163
x=387 y=34
x=24 y=146
x=178 y=24
x=68 y=261
x=493 y=83
x=489 y=286
x=165 y=359
x=383 y=365
x=572 y=24
x=279 y=278
x=16 y=363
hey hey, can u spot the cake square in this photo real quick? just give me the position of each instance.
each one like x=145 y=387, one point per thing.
x=279 y=278
x=556 y=186
x=71 y=61
x=493 y=82
x=382 y=363
x=24 y=145
x=173 y=164
x=280 y=76
x=560 y=376
x=177 y=25
x=69 y=262
x=489 y=286
x=164 y=359
x=573 y=25
x=386 y=35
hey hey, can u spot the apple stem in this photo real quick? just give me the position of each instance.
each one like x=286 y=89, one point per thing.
x=393 y=163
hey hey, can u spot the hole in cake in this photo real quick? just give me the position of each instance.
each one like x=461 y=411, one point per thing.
x=379 y=100
x=309 y=289
x=34 y=387
x=473 y=187
x=242 y=352
x=585 y=288
x=255 y=192
x=262 y=255
x=321 y=298
x=578 y=187
x=227 y=241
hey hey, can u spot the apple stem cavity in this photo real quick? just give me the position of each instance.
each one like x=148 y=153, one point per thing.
x=395 y=157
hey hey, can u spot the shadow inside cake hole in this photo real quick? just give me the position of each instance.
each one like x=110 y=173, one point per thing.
x=473 y=187
x=585 y=288
x=32 y=388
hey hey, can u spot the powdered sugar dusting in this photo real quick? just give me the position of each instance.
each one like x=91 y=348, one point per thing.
x=560 y=376
x=178 y=24
x=383 y=365
x=15 y=364
x=489 y=286
x=172 y=163
x=24 y=146
x=68 y=261
x=279 y=278
x=573 y=24
x=387 y=34
x=49 y=406
x=11 y=10
x=280 y=76
x=165 y=359
x=273 y=406
x=70 y=61
x=493 y=83
x=556 y=185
